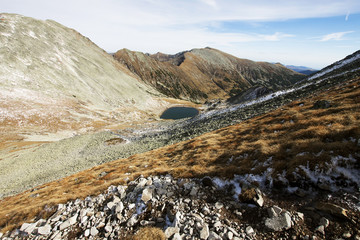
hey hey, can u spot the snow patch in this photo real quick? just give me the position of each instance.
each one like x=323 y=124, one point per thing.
x=339 y=167
x=337 y=65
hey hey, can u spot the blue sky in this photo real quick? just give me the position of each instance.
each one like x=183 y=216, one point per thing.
x=312 y=33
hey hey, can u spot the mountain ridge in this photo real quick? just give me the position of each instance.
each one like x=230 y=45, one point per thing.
x=202 y=74
x=48 y=71
x=302 y=69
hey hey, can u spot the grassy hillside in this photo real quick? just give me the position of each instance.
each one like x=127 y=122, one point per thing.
x=201 y=74
x=303 y=144
x=54 y=79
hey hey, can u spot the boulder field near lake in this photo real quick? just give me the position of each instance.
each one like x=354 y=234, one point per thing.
x=85 y=155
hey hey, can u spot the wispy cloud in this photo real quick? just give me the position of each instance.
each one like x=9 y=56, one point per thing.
x=172 y=26
x=335 y=36
x=277 y=36
x=211 y=3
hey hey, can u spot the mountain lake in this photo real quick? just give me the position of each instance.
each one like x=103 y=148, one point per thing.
x=179 y=112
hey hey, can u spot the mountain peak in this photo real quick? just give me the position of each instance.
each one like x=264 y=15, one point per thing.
x=205 y=73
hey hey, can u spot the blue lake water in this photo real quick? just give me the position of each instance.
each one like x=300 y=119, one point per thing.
x=179 y=112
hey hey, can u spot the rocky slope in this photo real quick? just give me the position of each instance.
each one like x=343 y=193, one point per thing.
x=54 y=78
x=54 y=84
x=207 y=73
x=289 y=173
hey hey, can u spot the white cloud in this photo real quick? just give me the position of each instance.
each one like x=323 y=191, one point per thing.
x=211 y=3
x=335 y=36
x=172 y=26
x=277 y=36
x=347 y=16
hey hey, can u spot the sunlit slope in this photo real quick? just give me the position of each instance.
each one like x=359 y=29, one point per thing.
x=304 y=145
x=206 y=73
x=51 y=75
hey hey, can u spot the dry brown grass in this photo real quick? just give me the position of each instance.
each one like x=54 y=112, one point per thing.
x=292 y=136
x=149 y=233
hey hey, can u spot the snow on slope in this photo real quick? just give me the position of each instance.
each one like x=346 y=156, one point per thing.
x=336 y=65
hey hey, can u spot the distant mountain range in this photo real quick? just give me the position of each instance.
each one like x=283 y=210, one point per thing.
x=302 y=69
x=206 y=73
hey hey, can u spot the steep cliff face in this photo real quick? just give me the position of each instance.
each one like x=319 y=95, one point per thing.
x=53 y=76
x=207 y=73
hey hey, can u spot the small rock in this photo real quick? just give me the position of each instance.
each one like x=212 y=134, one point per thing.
x=87 y=232
x=346 y=235
x=40 y=222
x=121 y=191
x=197 y=217
x=73 y=219
x=94 y=231
x=279 y=223
x=249 y=230
x=300 y=216
x=64 y=225
x=147 y=194
x=149 y=182
x=108 y=228
x=177 y=219
x=56 y=236
x=110 y=205
x=171 y=231
x=214 y=236
x=142 y=182
x=28 y=227
x=217 y=224
x=198 y=225
x=205 y=210
x=101 y=224
x=219 y=205
x=230 y=235
x=320 y=229
x=233 y=231
x=194 y=191
x=253 y=196
x=274 y=211
x=204 y=233
x=324 y=222
x=44 y=230
x=119 y=207
x=132 y=221
x=177 y=236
